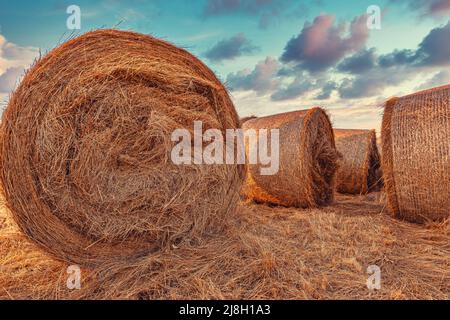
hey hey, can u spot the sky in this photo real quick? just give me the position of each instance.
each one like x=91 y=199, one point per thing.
x=273 y=55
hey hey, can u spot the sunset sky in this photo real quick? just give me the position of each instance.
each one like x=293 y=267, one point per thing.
x=273 y=55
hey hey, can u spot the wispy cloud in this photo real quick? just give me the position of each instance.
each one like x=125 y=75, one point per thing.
x=201 y=36
x=13 y=60
x=231 y=48
x=427 y=8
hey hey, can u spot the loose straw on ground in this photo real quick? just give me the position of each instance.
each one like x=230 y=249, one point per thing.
x=264 y=253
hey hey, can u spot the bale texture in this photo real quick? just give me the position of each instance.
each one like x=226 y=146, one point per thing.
x=307 y=161
x=359 y=168
x=85 y=155
x=416 y=155
x=245 y=119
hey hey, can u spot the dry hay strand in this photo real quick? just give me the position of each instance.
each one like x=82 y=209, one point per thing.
x=85 y=155
x=359 y=168
x=416 y=155
x=307 y=163
x=263 y=253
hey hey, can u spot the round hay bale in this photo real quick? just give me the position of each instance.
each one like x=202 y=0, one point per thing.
x=245 y=119
x=359 y=168
x=85 y=156
x=307 y=163
x=416 y=155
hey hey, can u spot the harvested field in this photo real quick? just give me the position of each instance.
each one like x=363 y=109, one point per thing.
x=307 y=161
x=359 y=169
x=416 y=155
x=264 y=253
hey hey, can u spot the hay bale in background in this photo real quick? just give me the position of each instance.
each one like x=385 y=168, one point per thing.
x=359 y=168
x=416 y=155
x=85 y=155
x=308 y=159
x=245 y=119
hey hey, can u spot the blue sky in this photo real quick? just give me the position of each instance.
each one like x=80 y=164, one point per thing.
x=274 y=55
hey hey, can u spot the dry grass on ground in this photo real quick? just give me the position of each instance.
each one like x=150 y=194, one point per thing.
x=271 y=253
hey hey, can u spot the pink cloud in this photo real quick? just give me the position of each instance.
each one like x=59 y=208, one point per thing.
x=322 y=44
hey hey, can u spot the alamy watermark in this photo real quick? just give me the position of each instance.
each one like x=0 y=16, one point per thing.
x=374 y=17
x=74 y=277
x=263 y=147
x=374 y=279
x=73 y=22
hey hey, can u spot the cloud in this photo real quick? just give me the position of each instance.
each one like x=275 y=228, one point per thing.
x=359 y=88
x=360 y=62
x=398 y=57
x=374 y=82
x=14 y=54
x=434 y=50
x=283 y=84
x=10 y=78
x=435 y=8
x=394 y=68
x=361 y=73
x=327 y=90
x=357 y=114
x=229 y=49
x=321 y=44
x=11 y=51
x=261 y=79
x=13 y=60
x=295 y=89
x=439 y=79
x=201 y=36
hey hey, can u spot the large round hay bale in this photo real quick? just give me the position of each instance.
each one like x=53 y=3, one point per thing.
x=85 y=156
x=416 y=155
x=307 y=162
x=359 y=168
